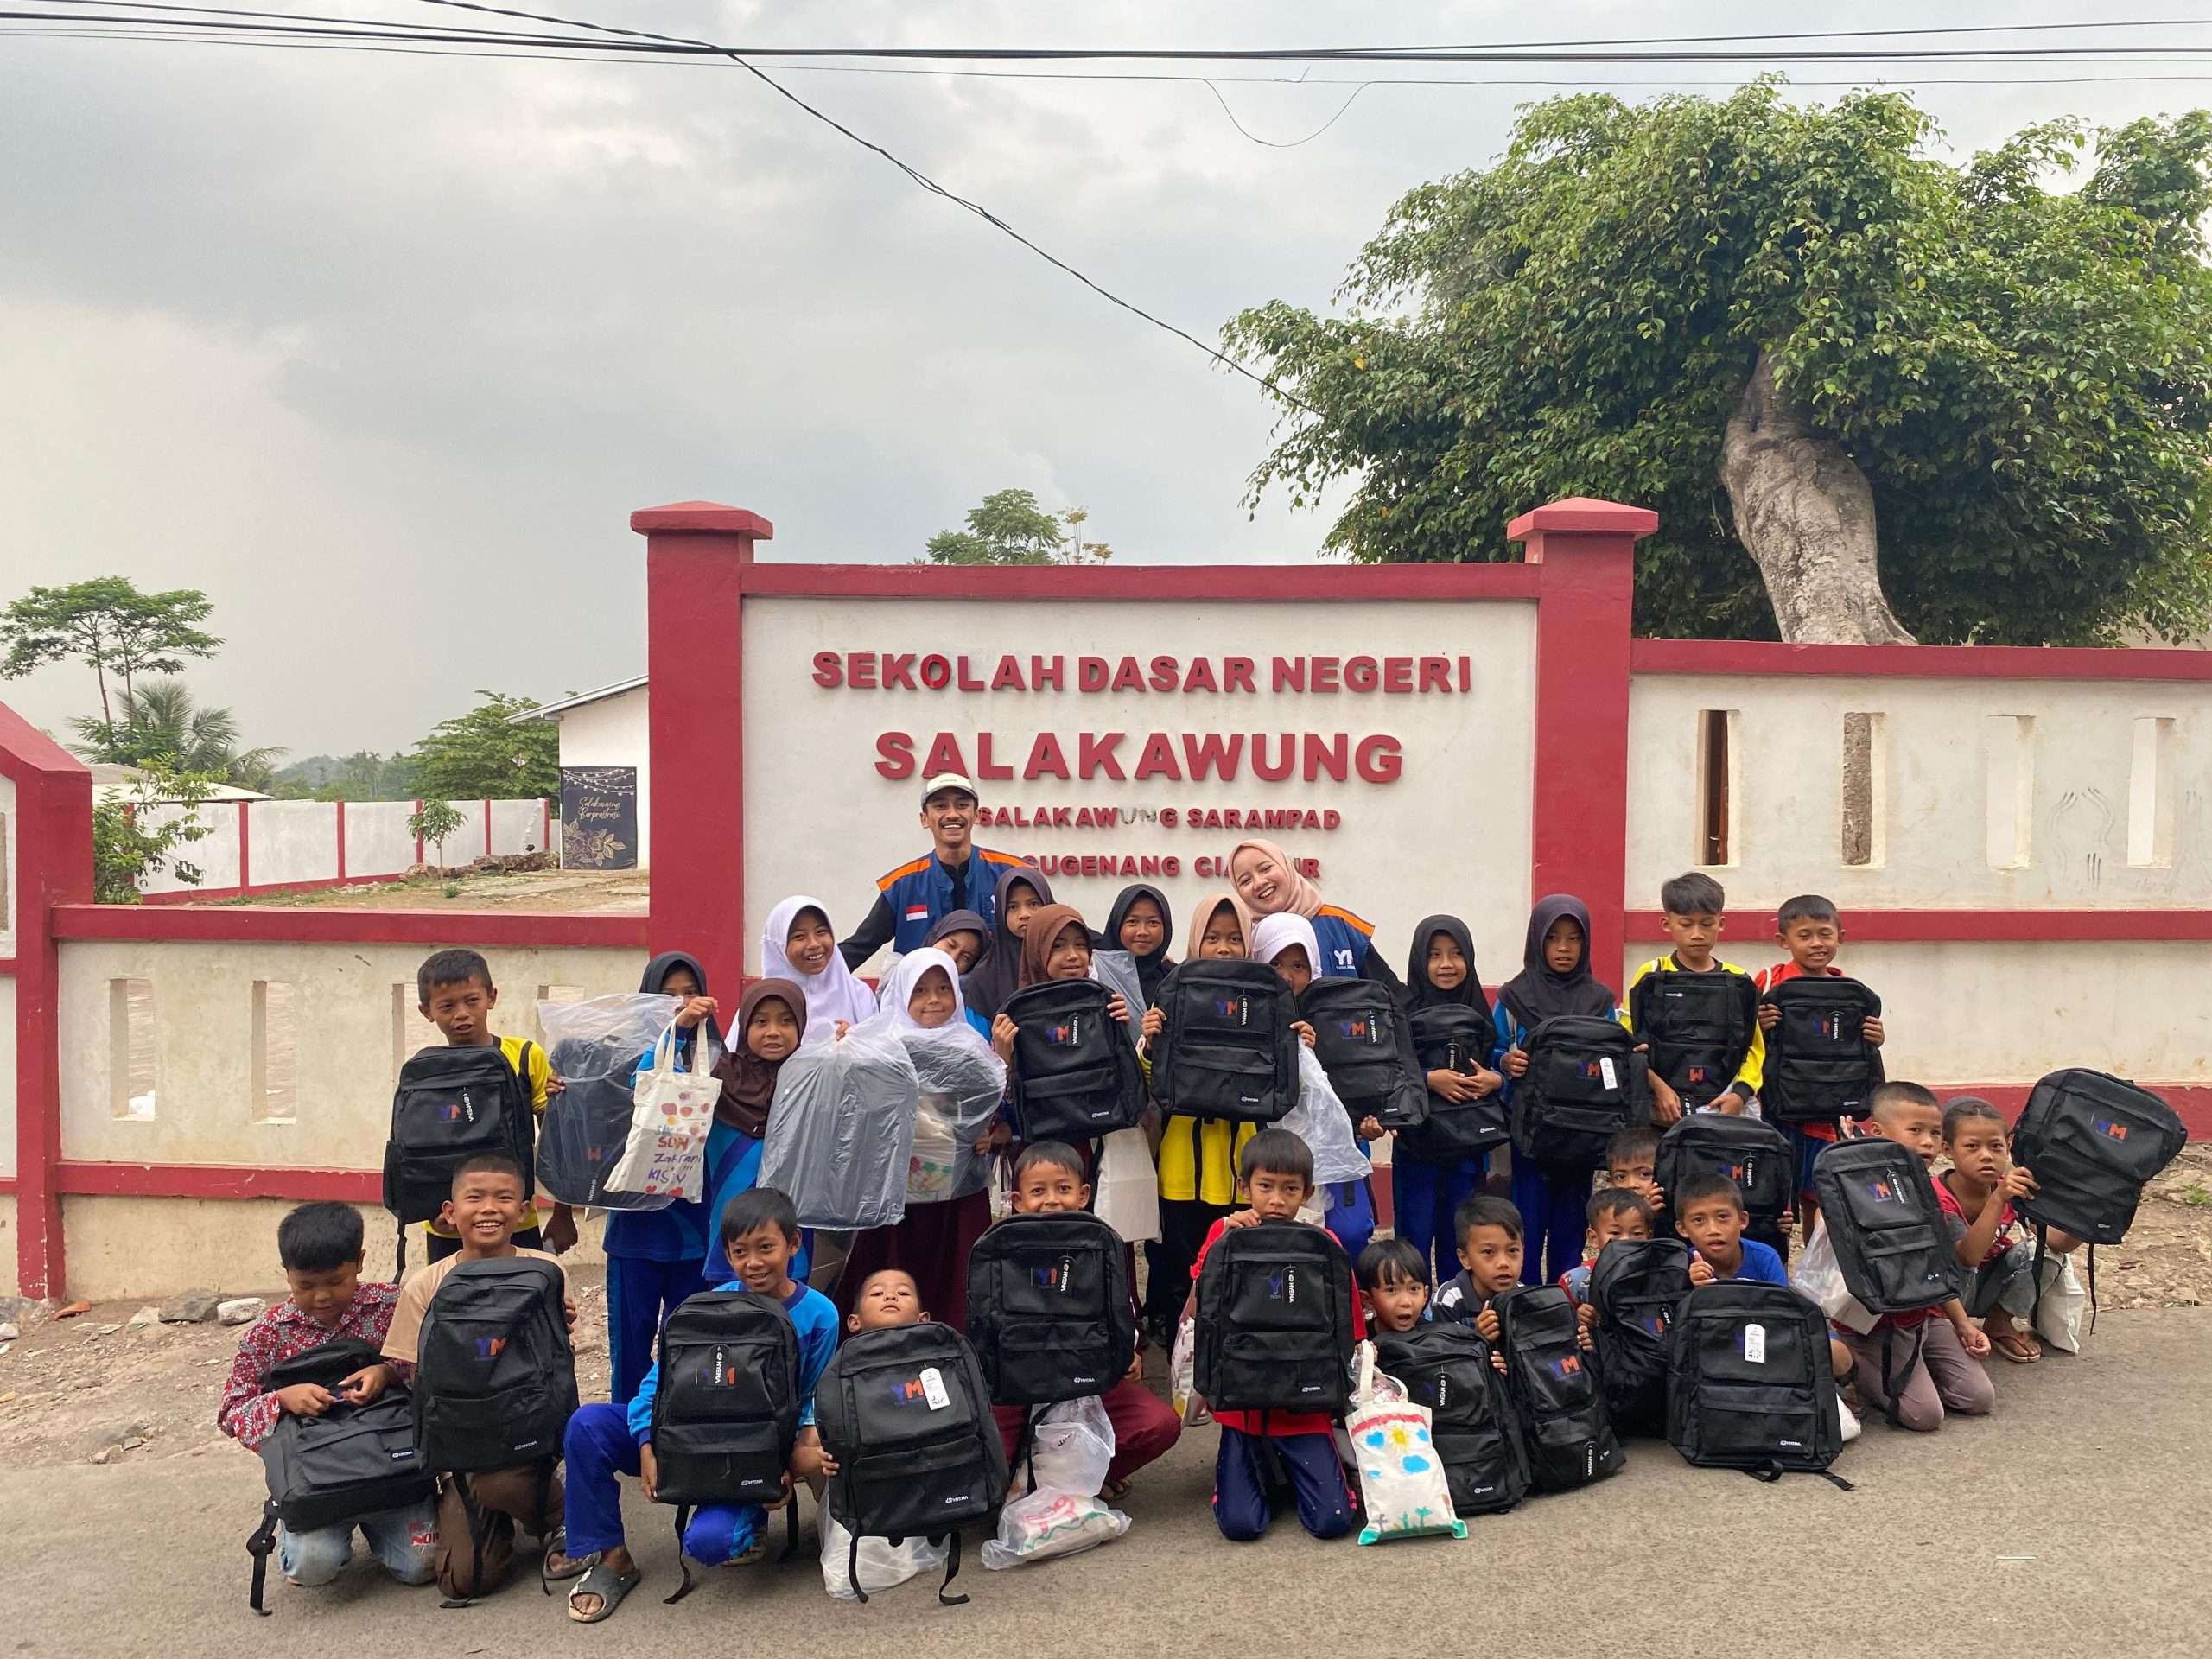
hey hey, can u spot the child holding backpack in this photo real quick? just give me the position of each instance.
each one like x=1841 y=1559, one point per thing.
x=1286 y=942
x=1424 y=1190
x=1554 y=982
x=1811 y=930
x=1692 y=1068
x=1615 y=1212
x=320 y=1248
x=1056 y=944
x=485 y=1212
x=1977 y=1193
x=759 y=1236
x=1258 y=1449
x=1490 y=1251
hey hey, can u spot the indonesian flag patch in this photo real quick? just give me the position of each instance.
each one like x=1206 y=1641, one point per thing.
x=917 y=912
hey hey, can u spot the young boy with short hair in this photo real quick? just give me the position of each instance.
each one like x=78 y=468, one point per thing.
x=1489 y=1250
x=1976 y=1194
x=1393 y=1275
x=454 y=993
x=1048 y=1179
x=1615 y=1212
x=1945 y=1375
x=321 y=1247
x=1695 y=911
x=1632 y=1161
x=1710 y=1217
x=485 y=1213
x=1811 y=930
x=1276 y=1172
x=760 y=1233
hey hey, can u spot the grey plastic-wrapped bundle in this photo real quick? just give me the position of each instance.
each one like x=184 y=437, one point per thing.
x=841 y=1128
x=1320 y=1121
x=594 y=1048
x=1117 y=972
x=961 y=1081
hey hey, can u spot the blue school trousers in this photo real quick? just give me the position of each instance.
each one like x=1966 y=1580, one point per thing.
x=1553 y=1200
x=599 y=1448
x=1243 y=1483
x=1425 y=1197
x=1352 y=1215
x=640 y=1295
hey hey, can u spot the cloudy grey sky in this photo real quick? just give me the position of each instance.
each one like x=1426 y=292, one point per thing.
x=381 y=350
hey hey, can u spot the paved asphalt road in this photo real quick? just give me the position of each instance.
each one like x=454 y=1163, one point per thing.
x=2099 y=1471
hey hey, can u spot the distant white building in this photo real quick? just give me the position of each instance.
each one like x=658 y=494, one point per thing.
x=606 y=777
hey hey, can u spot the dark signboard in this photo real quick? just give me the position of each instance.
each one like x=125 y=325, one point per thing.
x=598 y=817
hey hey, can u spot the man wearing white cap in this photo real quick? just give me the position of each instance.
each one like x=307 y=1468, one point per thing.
x=953 y=874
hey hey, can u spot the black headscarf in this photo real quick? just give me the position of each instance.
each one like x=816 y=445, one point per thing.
x=962 y=921
x=1536 y=994
x=666 y=963
x=1153 y=968
x=986 y=986
x=1424 y=995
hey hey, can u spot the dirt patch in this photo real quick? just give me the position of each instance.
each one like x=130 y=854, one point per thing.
x=2166 y=1258
x=608 y=892
x=71 y=1390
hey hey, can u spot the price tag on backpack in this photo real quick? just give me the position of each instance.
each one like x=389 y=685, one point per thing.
x=1755 y=1345
x=1606 y=1071
x=932 y=1382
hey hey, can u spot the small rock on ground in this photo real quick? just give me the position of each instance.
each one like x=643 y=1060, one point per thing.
x=91 y=1330
x=143 y=1317
x=10 y=1330
x=242 y=1310
x=190 y=1306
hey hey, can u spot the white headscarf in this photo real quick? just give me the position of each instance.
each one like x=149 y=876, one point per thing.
x=1277 y=933
x=832 y=994
x=899 y=990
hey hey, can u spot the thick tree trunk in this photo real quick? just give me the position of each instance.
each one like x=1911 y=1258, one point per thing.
x=1807 y=513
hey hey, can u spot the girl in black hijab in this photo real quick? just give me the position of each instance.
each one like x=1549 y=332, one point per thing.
x=1427 y=1192
x=1141 y=924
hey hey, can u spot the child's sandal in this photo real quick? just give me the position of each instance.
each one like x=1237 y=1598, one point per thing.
x=608 y=1586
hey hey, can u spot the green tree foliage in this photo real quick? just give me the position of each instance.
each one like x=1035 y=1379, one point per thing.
x=1010 y=528
x=137 y=832
x=107 y=624
x=364 y=775
x=2023 y=373
x=485 y=753
x=161 y=722
x=435 y=820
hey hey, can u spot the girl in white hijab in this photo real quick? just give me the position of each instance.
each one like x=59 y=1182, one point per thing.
x=799 y=945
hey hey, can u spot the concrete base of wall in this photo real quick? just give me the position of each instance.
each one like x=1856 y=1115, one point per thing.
x=146 y=1248
x=8 y=1247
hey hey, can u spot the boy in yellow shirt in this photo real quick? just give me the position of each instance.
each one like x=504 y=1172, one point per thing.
x=1707 y=1051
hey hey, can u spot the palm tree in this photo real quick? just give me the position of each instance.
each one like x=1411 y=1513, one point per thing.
x=160 y=719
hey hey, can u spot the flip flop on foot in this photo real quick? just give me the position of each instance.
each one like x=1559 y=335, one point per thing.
x=605 y=1587
x=559 y=1564
x=2016 y=1345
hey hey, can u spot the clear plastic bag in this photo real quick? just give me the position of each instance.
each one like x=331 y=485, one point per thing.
x=1183 y=1377
x=1815 y=1272
x=1401 y=1481
x=2058 y=1314
x=1071 y=1449
x=1117 y=972
x=1320 y=1121
x=961 y=1081
x=841 y=1128
x=593 y=1046
x=1127 y=1199
x=881 y=1564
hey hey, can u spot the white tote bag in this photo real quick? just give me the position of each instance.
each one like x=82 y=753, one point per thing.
x=1401 y=1481
x=675 y=1112
x=1127 y=1199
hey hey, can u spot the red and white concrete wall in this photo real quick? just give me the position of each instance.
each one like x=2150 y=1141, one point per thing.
x=297 y=846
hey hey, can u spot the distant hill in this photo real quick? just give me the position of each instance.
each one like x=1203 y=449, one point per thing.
x=365 y=776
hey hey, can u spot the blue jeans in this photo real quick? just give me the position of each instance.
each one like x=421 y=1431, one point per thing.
x=1426 y=1196
x=1555 y=1204
x=406 y=1540
x=601 y=1447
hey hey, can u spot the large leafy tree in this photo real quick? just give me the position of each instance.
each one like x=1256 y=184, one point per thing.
x=161 y=721
x=485 y=753
x=1010 y=528
x=107 y=624
x=1806 y=342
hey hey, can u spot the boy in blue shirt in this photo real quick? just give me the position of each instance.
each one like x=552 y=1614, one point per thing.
x=760 y=1235
x=1710 y=1217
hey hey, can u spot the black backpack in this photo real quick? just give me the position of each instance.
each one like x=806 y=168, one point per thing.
x=1075 y=1069
x=1638 y=1286
x=1360 y=1038
x=2092 y=1142
x=1820 y=1067
x=1448 y=1038
x=495 y=1378
x=726 y=1406
x=1584 y=1086
x=1699 y=1027
x=454 y=1103
x=352 y=1461
x=1891 y=1245
x=1274 y=1321
x=905 y=1413
x=1448 y=1369
x=1750 y=1387
x=1049 y=1312
x=1554 y=1387
x=1757 y=1156
x=1226 y=1051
